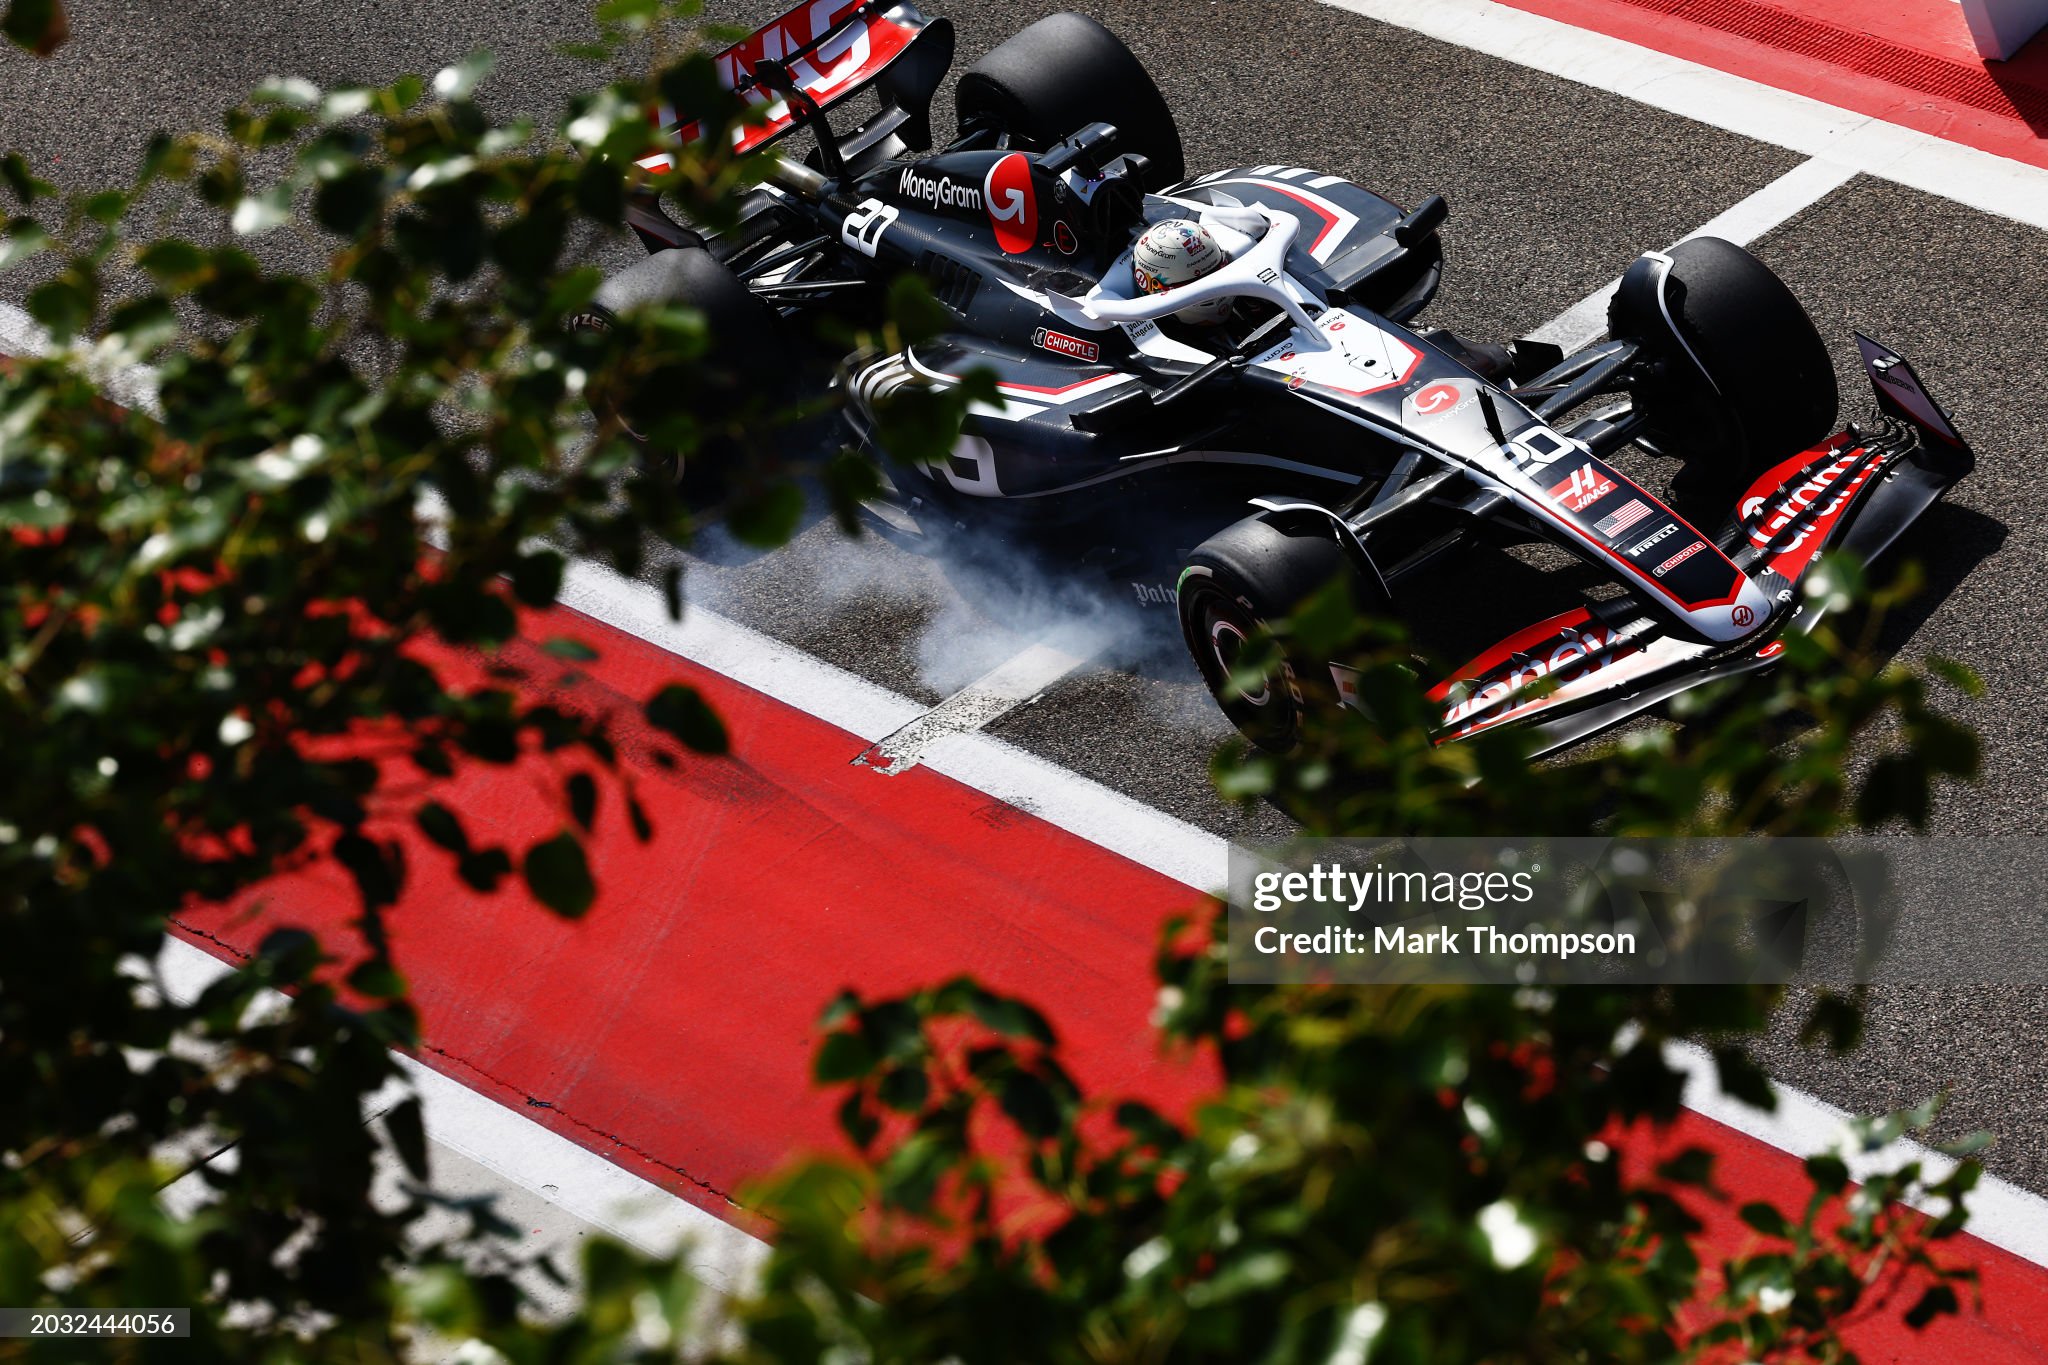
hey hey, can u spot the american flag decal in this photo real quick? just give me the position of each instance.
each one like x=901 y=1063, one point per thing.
x=1632 y=511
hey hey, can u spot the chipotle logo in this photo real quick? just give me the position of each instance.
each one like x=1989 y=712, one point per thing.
x=1065 y=345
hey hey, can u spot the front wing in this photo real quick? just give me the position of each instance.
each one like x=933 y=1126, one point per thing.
x=1577 y=673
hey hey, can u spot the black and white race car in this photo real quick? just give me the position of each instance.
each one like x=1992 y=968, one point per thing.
x=1317 y=431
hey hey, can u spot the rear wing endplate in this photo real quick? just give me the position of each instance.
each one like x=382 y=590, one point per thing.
x=827 y=50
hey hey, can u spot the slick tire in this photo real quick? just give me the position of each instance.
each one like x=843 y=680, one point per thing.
x=1238 y=582
x=1061 y=74
x=1744 y=381
x=744 y=371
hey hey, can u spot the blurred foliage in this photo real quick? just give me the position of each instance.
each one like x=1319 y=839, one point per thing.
x=216 y=671
x=1417 y=1173
x=40 y=26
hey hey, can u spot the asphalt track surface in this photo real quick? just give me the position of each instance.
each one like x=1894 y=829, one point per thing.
x=1554 y=187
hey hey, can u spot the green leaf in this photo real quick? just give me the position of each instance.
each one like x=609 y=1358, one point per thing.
x=843 y=1057
x=377 y=979
x=1742 y=1078
x=768 y=518
x=537 y=578
x=1767 y=1219
x=1937 y=1301
x=1829 y=1174
x=24 y=238
x=106 y=207
x=26 y=187
x=459 y=82
x=1011 y=1018
x=173 y=263
x=442 y=825
x=257 y=214
x=346 y=204
x=917 y=315
x=860 y=1126
x=64 y=305
x=559 y=877
x=1030 y=1104
x=582 y=793
x=672 y=590
x=1968 y=1145
x=904 y=1089
x=575 y=651
x=843 y=1006
x=682 y=713
x=407 y=1129
x=294 y=91
x=631 y=14
x=484 y=868
x=38 y=25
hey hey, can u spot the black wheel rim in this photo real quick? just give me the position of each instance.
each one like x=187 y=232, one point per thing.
x=1219 y=628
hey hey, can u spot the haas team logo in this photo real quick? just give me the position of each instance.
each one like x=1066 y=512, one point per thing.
x=1586 y=486
x=1012 y=207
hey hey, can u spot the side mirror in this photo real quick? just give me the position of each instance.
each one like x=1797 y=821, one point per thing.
x=1086 y=151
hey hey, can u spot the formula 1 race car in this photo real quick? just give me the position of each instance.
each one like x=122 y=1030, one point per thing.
x=1307 y=429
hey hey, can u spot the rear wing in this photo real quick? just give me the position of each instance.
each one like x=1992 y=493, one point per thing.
x=824 y=51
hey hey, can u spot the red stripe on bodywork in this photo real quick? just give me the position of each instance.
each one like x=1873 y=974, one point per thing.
x=1507 y=649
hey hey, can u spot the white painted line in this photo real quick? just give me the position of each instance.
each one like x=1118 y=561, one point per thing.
x=768 y=666
x=2002 y=1214
x=526 y=1154
x=1994 y=184
x=20 y=334
x=988 y=698
x=132 y=386
x=1780 y=201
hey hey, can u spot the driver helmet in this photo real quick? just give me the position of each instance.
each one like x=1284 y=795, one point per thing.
x=1175 y=252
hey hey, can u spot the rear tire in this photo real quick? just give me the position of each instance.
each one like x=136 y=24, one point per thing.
x=1063 y=73
x=1745 y=379
x=1238 y=582
x=745 y=370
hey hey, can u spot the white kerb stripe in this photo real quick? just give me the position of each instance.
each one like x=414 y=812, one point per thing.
x=534 y=1157
x=2004 y=1215
x=1776 y=203
x=1995 y=184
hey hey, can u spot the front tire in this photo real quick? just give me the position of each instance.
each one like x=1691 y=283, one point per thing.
x=1743 y=379
x=1237 y=584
